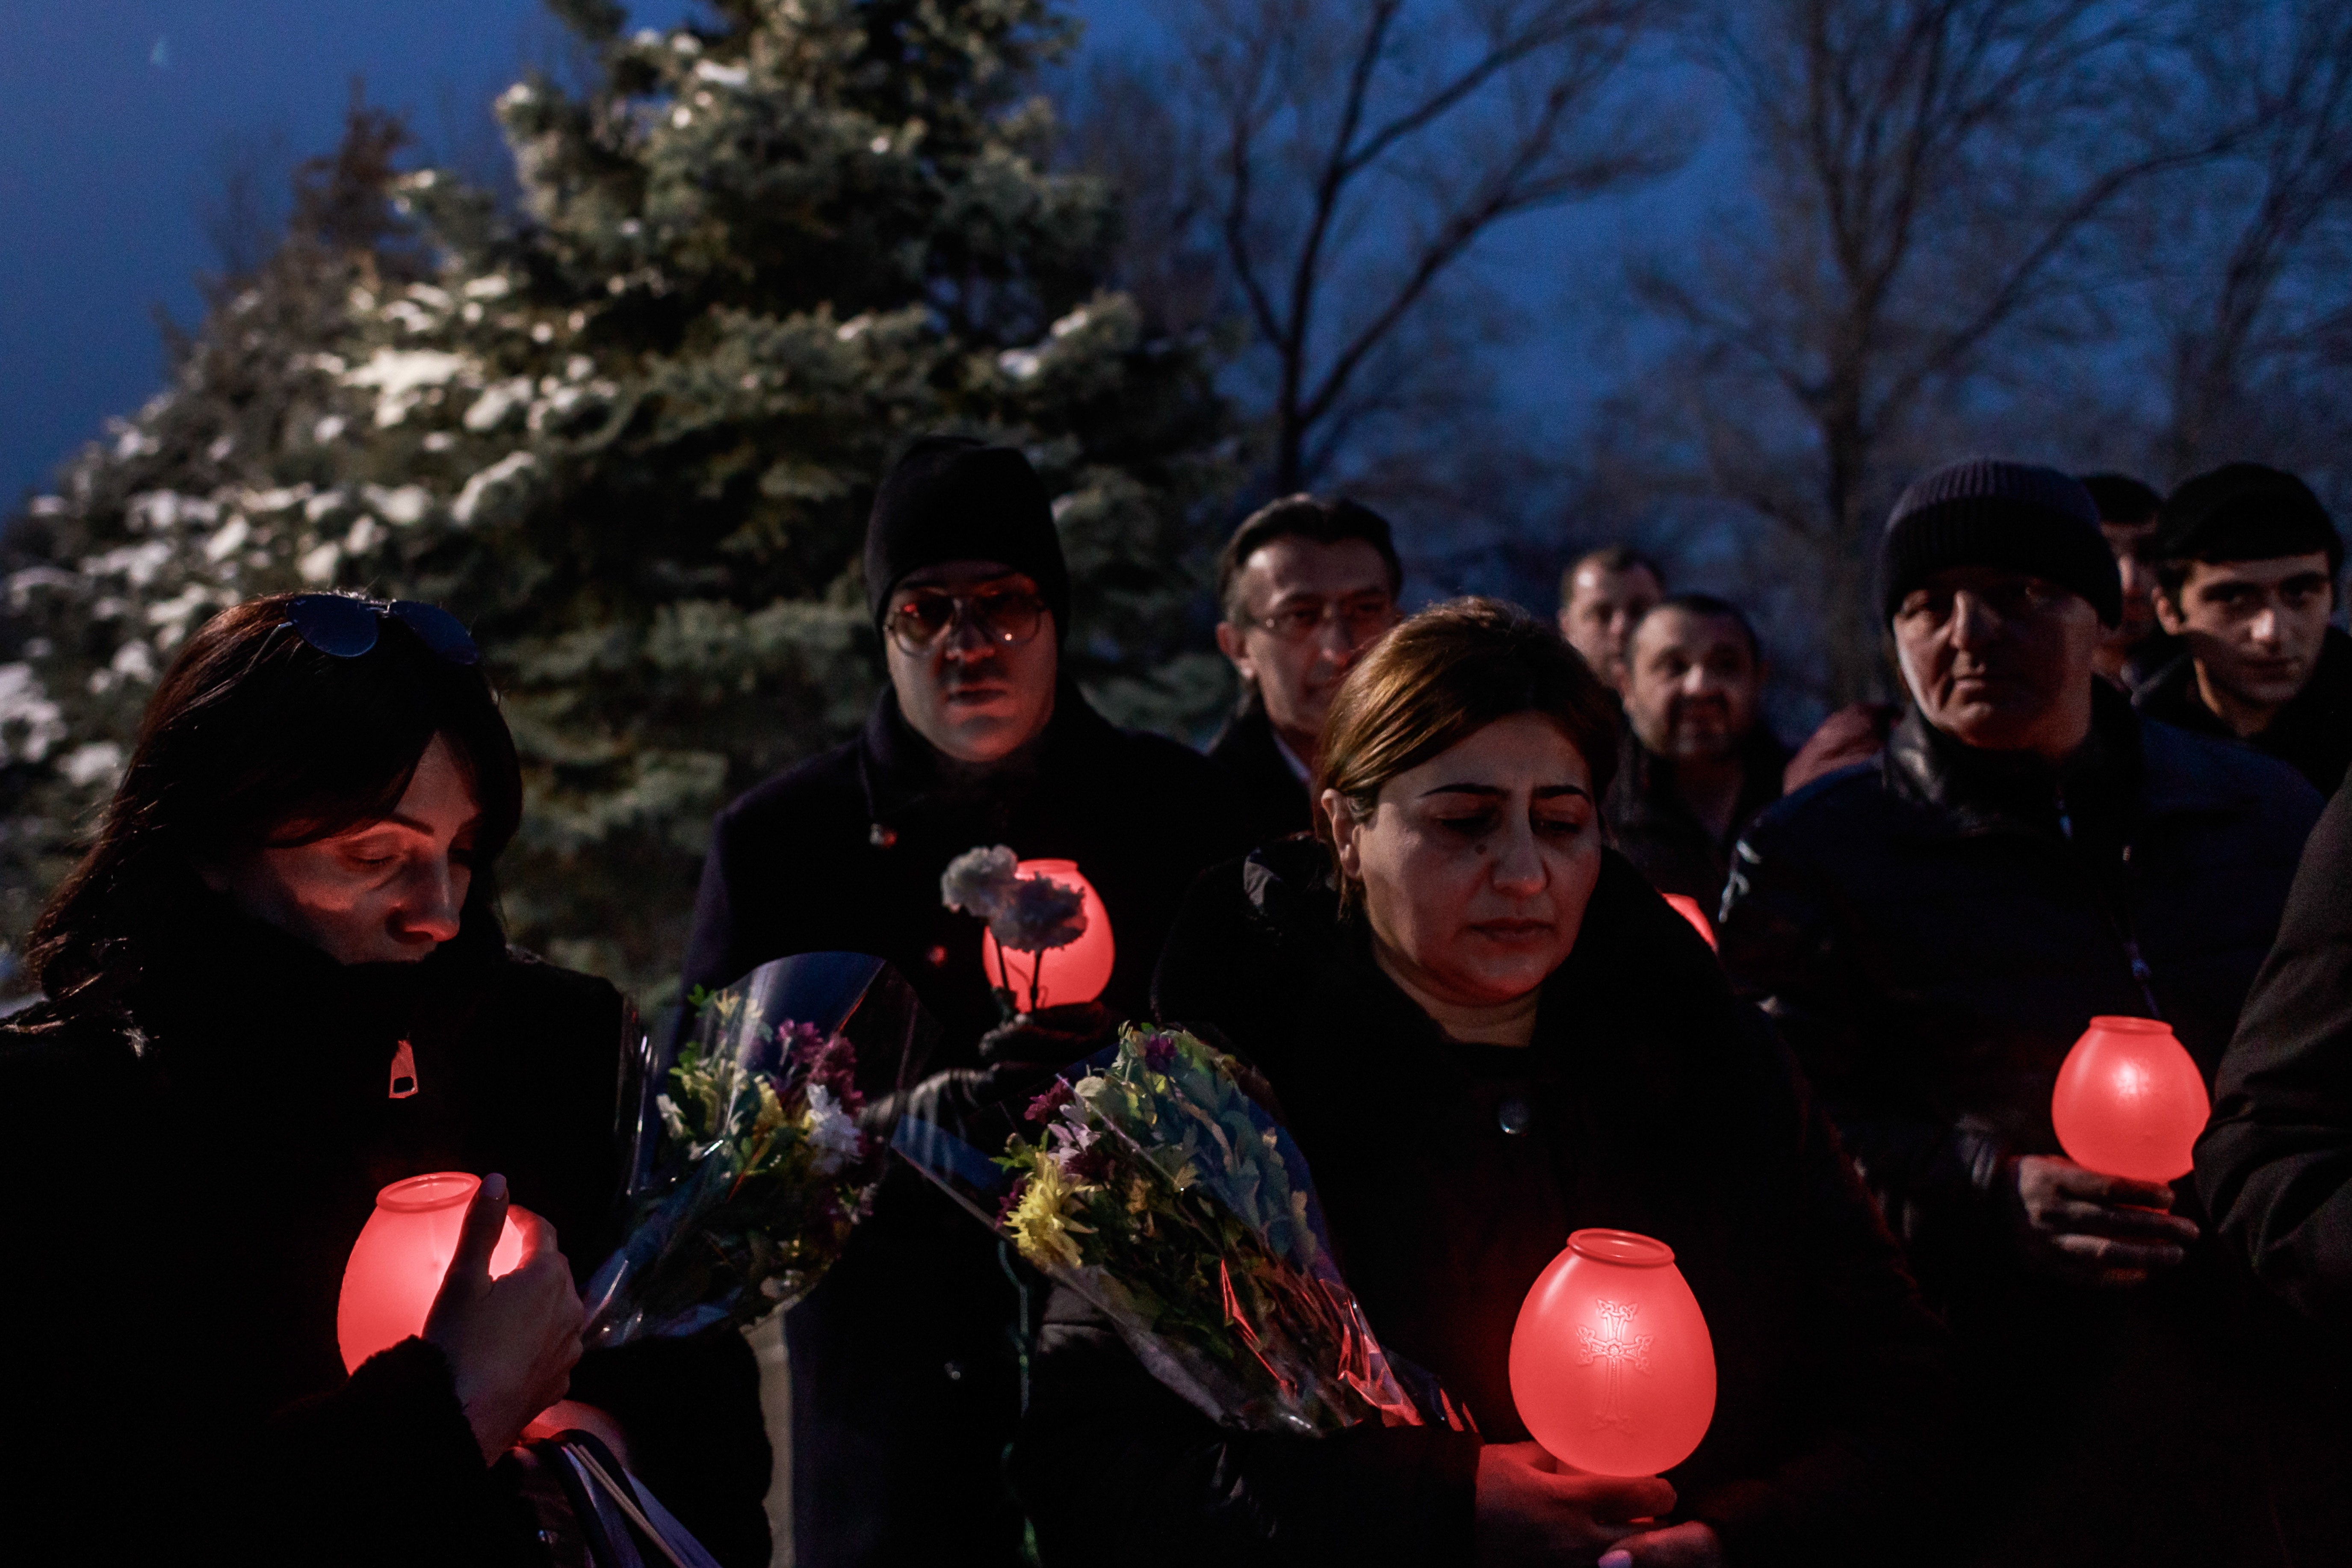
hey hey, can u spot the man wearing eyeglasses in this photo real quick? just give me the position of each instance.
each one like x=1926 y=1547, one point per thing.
x=1933 y=931
x=906 y=1363
x=1306 y=585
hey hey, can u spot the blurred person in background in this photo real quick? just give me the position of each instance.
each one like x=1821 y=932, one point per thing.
x=2247 y=563
x=1304 y=583
x=275 y=985
x=907 y=1360
x=1601 y=594
x=1697 y=760
x=1932 y=934
x=2136 y=648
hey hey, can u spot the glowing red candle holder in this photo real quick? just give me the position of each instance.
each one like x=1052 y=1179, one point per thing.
x=1687 y=907
x=1611 y=1366
x=2130 y=1101
x=1074 y=974
x=398 y=1262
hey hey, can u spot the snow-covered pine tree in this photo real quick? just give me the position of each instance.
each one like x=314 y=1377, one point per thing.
x=194 y=503
x=630 y=433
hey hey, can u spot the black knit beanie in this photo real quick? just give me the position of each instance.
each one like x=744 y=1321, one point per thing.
x=1983 y=511
x=954 y=499
x=2245 y=512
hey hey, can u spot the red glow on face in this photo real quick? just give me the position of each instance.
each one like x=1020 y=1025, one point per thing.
x=2130 y=1102
x=1074 y=974
x=1687 y=907
x=1611 y=1366
x=397 y=1264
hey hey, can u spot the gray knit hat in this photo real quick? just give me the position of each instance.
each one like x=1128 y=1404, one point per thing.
x=1984 y=511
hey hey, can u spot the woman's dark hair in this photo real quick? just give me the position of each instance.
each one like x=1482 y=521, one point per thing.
x=255 y=739
x=1442 y=676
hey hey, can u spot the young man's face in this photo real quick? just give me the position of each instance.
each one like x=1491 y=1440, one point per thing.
x=1309 y=609
x=2254 y=627
x=1599 y=616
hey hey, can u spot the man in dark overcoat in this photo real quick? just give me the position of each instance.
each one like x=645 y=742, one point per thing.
x=1934 y=928
x=906 y=1361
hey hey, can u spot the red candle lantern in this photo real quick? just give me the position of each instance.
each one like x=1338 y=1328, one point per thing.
x=397 y=1264
x=1074 y=974
x=1687 y=907
x=1611 y=1366
x=2130 y=1102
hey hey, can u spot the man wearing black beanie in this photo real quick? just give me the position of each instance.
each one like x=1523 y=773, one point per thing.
x=2247 y=562
x=1933 y=930
x=906 y=1363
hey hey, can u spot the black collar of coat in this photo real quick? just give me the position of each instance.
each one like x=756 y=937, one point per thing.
x=2144 y=770
x=905 y=777
x=226 y=1000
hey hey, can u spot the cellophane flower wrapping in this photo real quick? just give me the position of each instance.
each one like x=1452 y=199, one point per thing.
x=761 y=1174
x=1159 y=1189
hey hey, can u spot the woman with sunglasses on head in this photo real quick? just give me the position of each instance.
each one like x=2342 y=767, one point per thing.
x=274 y=986
x=1487 y=1032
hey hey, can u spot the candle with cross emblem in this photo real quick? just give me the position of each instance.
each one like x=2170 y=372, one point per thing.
x=1611 y=1366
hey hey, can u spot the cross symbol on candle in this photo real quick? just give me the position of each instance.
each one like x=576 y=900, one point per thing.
x=1616 y=1349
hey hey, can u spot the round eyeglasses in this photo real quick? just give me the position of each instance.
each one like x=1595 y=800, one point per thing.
x=919 y=619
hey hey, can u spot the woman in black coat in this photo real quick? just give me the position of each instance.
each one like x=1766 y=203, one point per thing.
x=276 y=985
x=1485 y=1032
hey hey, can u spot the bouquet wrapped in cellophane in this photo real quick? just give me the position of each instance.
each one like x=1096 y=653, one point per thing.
x=1155 y=1186
x=750 y=1168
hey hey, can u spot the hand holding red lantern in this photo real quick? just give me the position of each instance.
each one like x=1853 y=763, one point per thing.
x=501 y=1310
x=2127 y=1107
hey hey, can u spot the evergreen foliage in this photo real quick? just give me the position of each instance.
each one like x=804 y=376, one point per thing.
x=629 y=434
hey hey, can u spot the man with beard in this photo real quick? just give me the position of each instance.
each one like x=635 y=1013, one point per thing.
x=2247 y=566
x=1696 y=763
x=905 y=1361
x=1601 y=594
x=1932 y=932
x=1305 y=585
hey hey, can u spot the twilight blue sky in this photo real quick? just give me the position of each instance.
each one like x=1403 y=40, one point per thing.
x=120 y=117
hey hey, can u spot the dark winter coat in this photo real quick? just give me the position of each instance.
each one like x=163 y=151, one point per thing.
x=182 y=1189
x=1933 y=931
x=2274 y=1168
x=2313 y=734
x=1659 y=1104
x=905 y=1361
x=1652 y=826
x=1275 y=797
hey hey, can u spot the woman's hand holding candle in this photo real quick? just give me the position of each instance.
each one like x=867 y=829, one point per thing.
x=511 y=1341
x=1531 y=1510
